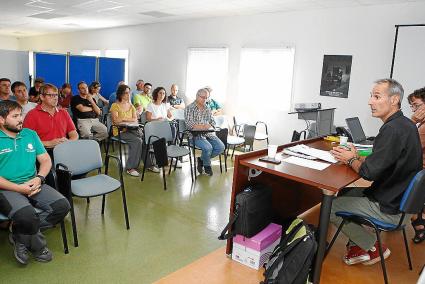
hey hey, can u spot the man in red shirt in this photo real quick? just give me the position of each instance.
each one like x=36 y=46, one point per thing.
x=52 y=125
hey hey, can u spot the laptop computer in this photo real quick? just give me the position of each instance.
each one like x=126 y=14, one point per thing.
x=357 y=132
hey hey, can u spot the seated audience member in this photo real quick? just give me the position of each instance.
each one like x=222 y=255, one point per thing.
x=139 y=88
x=158 y=109
x=212 y=104
x=86 y=111
x=199 y=117
x=34 y=93
x=19 y=89
x=22 y=187
x=122 y=111
x=5 y=90
x=417 y=105
x=113 y=97
x=65 y=96
x=175 y=101
x=142 y=100
x=94 y=90
x=395 y=160
x=53 y=125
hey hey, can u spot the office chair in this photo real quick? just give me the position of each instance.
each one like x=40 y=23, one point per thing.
x=411 y=203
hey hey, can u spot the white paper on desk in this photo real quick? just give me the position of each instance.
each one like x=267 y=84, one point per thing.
x=321 y=154
x=306 y=163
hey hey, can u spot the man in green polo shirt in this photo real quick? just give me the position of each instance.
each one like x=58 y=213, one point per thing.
x=22 y=188
x=142 y=100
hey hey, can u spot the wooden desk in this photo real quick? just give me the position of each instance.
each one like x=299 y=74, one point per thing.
x=295 y=189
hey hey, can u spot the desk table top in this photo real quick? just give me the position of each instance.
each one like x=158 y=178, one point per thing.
x=333 y=178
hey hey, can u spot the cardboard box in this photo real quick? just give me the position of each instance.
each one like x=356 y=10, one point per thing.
x=254 y=251
x=252 y=258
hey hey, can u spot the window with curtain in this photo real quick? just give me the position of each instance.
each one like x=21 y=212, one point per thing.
x=266 y=72
x=207 y=67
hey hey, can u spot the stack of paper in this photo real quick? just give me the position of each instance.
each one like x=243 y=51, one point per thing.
x=320 y=154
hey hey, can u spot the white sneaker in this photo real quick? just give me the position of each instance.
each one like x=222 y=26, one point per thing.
x=154 y=169
x=133 y=173
x=179 y=164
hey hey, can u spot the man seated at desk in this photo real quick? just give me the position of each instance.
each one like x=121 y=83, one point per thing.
x=396 y=158
x=199 y=117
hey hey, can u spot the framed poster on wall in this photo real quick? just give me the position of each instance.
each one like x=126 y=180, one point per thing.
x=336 y=75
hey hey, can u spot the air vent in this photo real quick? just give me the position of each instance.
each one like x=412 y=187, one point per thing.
x=47 y=16
x=156 y=14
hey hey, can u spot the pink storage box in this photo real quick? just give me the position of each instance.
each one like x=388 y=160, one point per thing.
x=261 y=240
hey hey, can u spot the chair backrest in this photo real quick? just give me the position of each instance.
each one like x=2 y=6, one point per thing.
x=221 y=121
x=177 y=113
x=142 y=118
x=249 y=134
x=414 y=196
x=161 y=129
x=79 y=156
x=181 y=125
x=222 y=135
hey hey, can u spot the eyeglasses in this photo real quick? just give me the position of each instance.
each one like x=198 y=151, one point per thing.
x=415 y=106
x=51 y=95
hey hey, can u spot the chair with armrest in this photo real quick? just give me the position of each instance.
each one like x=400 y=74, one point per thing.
x=261 y=135
x=155 y=130
x=411 y=203
x=82 y=156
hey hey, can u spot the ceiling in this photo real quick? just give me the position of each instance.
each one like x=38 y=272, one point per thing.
x=22 y=18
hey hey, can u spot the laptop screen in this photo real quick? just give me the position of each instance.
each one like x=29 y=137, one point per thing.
x=356 y=129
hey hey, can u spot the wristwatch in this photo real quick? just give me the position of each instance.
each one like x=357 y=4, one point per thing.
x=43 y=179
x=350 y=161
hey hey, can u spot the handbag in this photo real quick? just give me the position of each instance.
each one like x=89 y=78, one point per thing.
x=253 y=212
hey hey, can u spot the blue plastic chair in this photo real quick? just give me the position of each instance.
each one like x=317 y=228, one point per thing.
x=411 y=203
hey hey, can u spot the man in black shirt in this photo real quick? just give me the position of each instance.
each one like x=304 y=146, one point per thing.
x=85 y=109
x=395 y=159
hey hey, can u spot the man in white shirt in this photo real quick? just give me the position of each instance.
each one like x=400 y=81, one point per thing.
x=19 y=90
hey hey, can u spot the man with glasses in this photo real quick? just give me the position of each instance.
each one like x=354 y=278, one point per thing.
x=417 y=105
x=199 y=117
x=52 y=124
x=86 y=111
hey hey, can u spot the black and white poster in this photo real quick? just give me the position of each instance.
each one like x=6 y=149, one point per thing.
x=336 y=75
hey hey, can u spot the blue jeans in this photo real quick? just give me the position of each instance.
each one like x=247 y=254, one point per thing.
x=210 y=147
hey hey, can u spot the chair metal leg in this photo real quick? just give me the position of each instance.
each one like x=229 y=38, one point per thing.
x=381 y=255
x=191 y=169
x=406 y=245
x=64 y=238
x=334 y=237
x=171 y=165
x=221 y=168
x=88 y=200
x=194 y=160
x=124 y=203
x=233 y=152
x=74 y=225
x=103 y=204
x=225 y=162
x=163 y=178
x=144 y=163
x=175 y=164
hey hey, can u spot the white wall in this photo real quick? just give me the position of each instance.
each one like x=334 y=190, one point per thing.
x=9 y=43
x=158 y=53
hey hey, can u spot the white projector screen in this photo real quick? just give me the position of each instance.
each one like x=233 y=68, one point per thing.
x=409 y=61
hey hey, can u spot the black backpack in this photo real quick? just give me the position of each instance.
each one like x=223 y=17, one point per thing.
x=253 y=212
x=291 y=260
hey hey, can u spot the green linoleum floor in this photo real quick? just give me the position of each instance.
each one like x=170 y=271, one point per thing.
x=169 y=229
